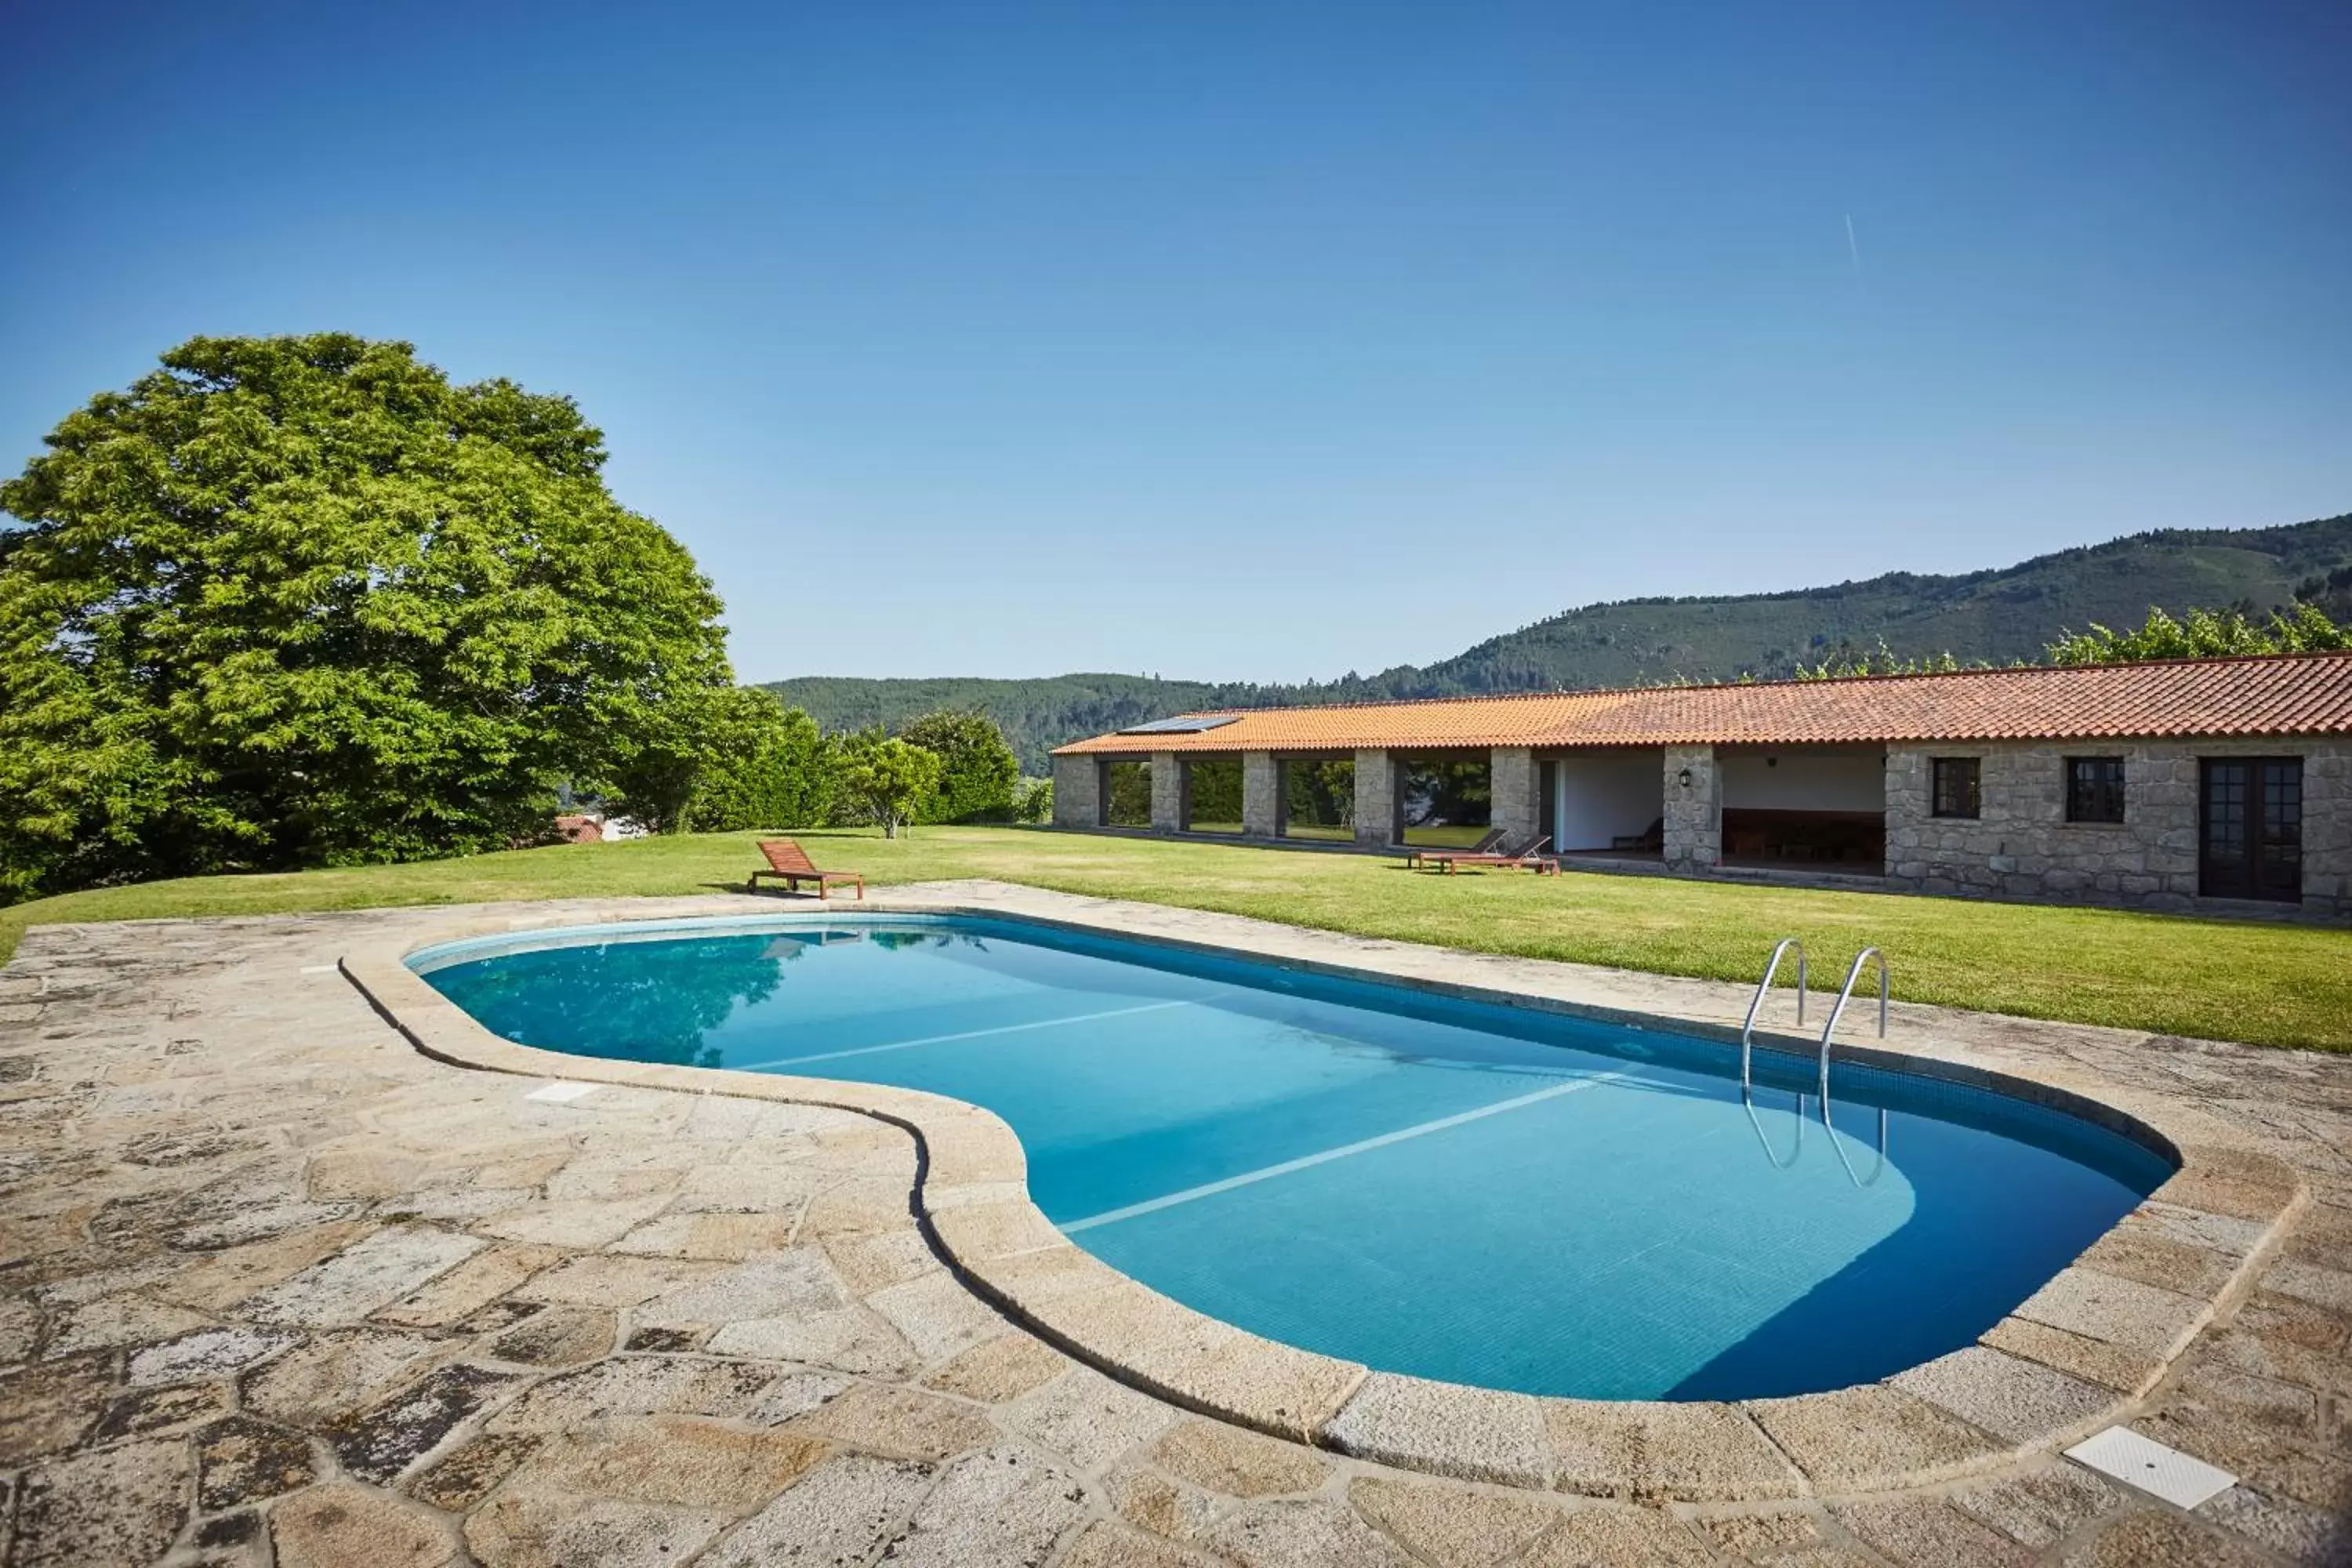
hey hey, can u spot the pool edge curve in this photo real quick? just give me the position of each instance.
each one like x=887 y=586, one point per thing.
x=2029 y=1384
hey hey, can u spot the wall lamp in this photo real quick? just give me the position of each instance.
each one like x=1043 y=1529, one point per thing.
x=1685 y=776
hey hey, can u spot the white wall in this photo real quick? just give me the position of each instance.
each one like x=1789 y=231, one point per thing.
x=1601 y=796
x=1805 y=778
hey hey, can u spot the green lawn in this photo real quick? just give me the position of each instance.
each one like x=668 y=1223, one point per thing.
x=2272 y=984
x=1447 y=836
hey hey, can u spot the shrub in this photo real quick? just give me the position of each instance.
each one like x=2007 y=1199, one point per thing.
x=1033 y=801
x=770 y=768
x=977 y=772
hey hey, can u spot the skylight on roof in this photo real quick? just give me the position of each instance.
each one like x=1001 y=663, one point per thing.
x=1182 y=726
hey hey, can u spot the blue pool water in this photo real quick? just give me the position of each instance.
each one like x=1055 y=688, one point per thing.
x=1483 y=1194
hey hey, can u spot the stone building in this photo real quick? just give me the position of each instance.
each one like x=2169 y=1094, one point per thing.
x=2195 y=783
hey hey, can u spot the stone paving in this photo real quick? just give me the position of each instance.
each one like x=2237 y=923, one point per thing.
x=275 y=1287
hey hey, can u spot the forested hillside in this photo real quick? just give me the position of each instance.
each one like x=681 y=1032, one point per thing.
x=1994 y=615
x=1997 y=616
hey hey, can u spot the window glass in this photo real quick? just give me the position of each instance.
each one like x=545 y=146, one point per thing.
x=2094 y=789
x=2250 y=834
x=1956 y=783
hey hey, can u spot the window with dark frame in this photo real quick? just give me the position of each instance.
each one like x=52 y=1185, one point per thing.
x=1958 y=792
x=2094 y=789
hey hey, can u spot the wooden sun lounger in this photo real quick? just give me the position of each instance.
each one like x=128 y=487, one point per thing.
x=790 y=864
x=1527 y=856
x=1486 y=846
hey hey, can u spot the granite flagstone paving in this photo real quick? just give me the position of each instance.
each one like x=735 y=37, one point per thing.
x=275 y=1287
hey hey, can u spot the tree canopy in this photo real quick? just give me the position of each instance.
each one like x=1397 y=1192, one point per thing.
x=767 y=767
x=2304 y=627
x=889 y=780
x=299 y=601
x=1880 y=661
x=977 y=772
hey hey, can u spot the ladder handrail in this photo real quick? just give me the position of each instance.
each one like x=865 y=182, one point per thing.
x=1771 y=967
x=1796 y=1148
x=1877 y=1170
x=1845 y=993
x=1836 y=1011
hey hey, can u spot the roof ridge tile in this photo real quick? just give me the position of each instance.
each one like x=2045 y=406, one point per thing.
x=2251 y=694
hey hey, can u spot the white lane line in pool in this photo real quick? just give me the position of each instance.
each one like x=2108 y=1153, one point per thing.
x=964 y=1035
x=1267 y=1173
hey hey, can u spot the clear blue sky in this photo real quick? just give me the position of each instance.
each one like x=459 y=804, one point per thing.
x=1249 y=339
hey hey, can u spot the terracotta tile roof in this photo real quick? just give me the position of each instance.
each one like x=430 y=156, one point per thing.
x=2290 y=694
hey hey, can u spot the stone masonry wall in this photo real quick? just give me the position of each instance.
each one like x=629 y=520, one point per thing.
x=1375 y=799
x=1517 y=806
x=1167 y=793
x=1693 y=816
x=1261 y=795
x=1078 y=792
x=2023 y=847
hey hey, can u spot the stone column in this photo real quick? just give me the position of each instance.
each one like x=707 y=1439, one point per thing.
x=1261 y=795
x=1376 y=804
x=1167 y=793
x=1518 y=805
x=1078 y=792
x=1694 y=811
x=1909 y=853
x=2326 y=825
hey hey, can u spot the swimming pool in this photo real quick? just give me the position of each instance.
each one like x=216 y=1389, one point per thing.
x=1477 y=1192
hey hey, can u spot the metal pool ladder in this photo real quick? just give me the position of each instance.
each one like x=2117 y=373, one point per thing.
x=1845 y=994
x=1772 y=967
x=1746 y=1054
x=1748 y=1046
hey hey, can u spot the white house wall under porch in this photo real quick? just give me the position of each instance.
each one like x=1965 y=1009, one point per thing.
x=1607 y=799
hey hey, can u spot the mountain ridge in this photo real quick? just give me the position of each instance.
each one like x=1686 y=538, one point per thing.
x=1995 y=614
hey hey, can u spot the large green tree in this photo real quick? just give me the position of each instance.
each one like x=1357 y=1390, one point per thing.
x=977 y=772
x=299 y=600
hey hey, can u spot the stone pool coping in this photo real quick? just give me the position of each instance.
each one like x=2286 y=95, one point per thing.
x=2075 y=1357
